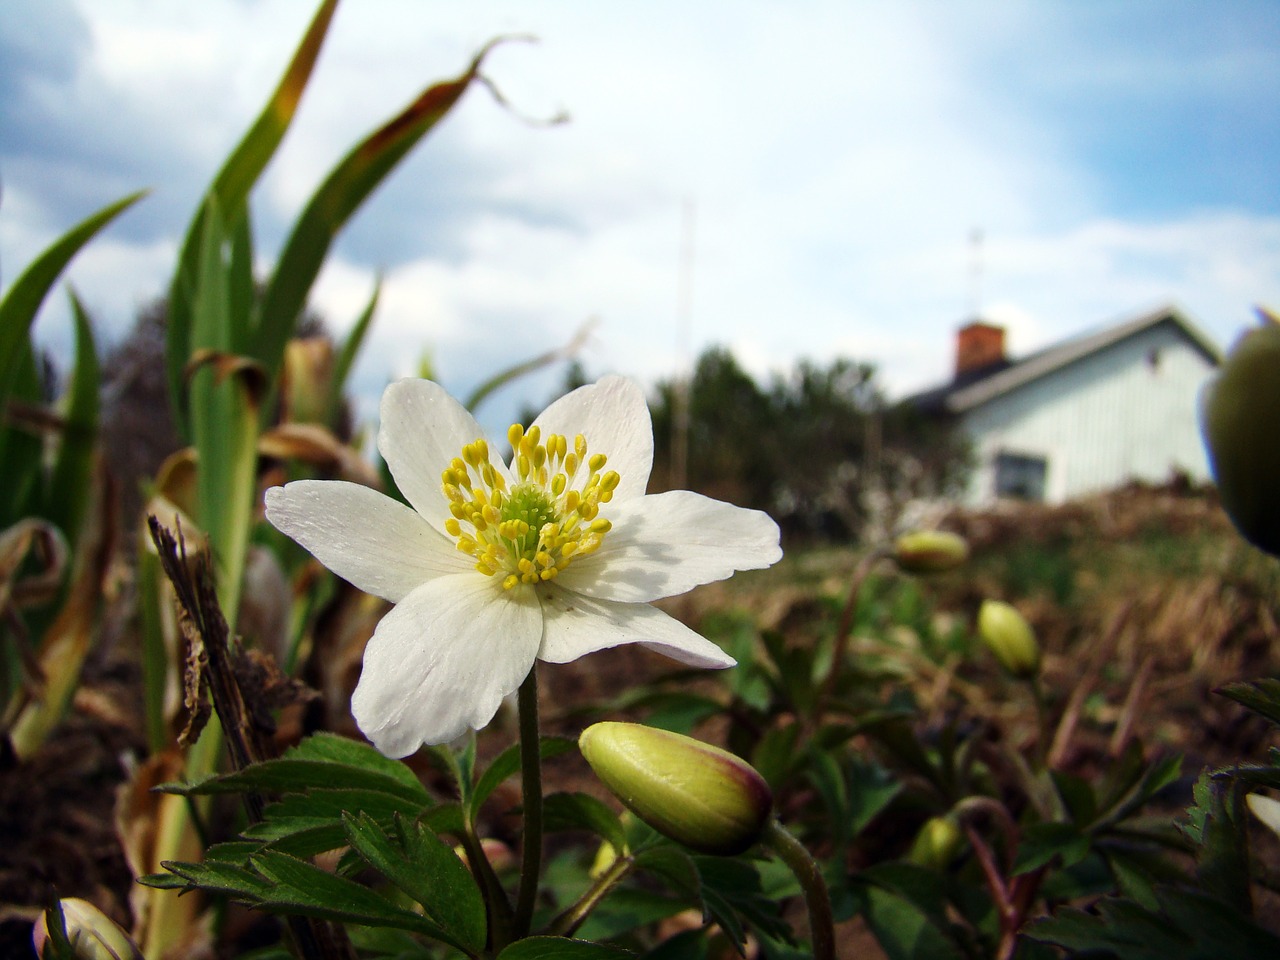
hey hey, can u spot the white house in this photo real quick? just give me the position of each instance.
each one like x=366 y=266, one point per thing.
x=1085 y=415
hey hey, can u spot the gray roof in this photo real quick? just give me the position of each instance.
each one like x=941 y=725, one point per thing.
x=963 y=395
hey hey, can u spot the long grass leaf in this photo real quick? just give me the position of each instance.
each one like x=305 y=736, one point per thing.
x=343 y=191
x=347 y=356
x=69 y=491
x=231 y=189
x=22 y=300
x=21 y=450
x=224 y=416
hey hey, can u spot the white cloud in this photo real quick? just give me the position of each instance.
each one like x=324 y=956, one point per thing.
x=839 y=154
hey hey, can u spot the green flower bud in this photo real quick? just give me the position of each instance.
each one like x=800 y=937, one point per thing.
x=1237 y=417
x=1009 y=637
x=696 y=794
x=930 y=551
x=92 y=934
x=937 y=843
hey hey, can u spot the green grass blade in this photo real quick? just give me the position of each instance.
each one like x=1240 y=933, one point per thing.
x=21 y=451
x=343 y=191
x=68 y=491
x=22 y=300
x=231 y=189
x=224 y=417
x=347 y=356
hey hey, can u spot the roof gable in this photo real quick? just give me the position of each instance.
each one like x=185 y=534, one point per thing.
x=968 y=392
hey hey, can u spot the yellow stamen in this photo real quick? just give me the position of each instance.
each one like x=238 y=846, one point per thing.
x=529 y=532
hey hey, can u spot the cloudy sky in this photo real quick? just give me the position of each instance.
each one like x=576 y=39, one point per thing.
x=829 y=160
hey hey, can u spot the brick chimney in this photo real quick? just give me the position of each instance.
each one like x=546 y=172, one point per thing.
x=978 y=345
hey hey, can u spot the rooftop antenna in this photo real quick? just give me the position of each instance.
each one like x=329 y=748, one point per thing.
x=975 y=273
x=684 y=321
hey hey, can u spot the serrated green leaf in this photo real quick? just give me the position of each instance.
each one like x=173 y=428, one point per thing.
x=824 y=773
x=1042 y=842
x=216 y=876
x=333 y=803
x=426 y=869
x=775 y=757
x=734 y=897
x=232 y=851
x=1260 y=696
x=1189 y=925
x=1223 y=858
x=507 y=764
x=903 y=929
x=671 y=864
x=320 y=762
x=298 y=887
x=298 y=836
x=581 y=811
x=558 y=948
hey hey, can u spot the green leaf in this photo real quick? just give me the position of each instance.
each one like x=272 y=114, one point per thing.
x=22 y=300
x=507 y=764
x=224 y=416
x=347 y=355
x=1189 y=925
x=1260 y=696
x=298 y=887
x=1224 y=853
x=581 y=811
x=827 y=778
x=733 y=893
x=906 y=906
x=343 y=191
x=558 y=948
x=230 y=191
x=216 y=876
x=1041 y=842
x=323 y=761
x=21 y=451
x=426 y=869
x=903 y=929
x=69 y=487
x=871 y=789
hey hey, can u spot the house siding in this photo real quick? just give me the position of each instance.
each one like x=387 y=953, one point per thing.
x=1106 y=418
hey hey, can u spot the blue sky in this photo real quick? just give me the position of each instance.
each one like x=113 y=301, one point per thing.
x=837 y=156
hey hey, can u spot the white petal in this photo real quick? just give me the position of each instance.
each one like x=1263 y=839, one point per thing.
x=614 y=418
x=422 y=429
x=665 y=544
x=376 y=543
x=575 y=625
x=443 y=659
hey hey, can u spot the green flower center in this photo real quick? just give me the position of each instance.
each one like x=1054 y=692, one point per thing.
x=535 y=529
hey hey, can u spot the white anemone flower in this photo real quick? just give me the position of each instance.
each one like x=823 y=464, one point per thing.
x=552 y=556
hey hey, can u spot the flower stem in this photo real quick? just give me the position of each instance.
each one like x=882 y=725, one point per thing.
x=840 y=645
x=572 y=917
x=793 y=853
x=531 y=793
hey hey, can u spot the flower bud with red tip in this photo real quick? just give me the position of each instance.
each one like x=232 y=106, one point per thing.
x=696 y=794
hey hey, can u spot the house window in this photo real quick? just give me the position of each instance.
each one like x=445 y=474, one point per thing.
x=1020 y=477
